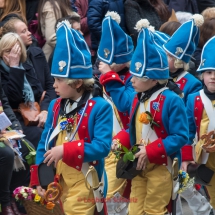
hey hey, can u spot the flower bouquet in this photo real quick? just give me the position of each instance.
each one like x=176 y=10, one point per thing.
x=34 y=204
x=185 y=181
x=127 y=163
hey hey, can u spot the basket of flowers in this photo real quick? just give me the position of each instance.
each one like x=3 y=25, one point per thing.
x=34 y=204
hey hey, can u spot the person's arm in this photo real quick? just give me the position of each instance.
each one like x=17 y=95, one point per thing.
x=121 y=93
x=9 y=112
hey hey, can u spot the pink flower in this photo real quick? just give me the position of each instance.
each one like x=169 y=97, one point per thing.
x=17 y=190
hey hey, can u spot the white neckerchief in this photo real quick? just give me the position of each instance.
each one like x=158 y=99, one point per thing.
x=116 y=125
x=69 y=108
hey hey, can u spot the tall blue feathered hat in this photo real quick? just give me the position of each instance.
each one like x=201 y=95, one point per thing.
x=207 y=57
x=149 y=59
x=184 y=41
x=115 y=45
x=72 y=58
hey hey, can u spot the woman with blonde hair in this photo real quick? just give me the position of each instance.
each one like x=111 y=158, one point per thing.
x=11 y=9
x=31 y=78
x=49 y=11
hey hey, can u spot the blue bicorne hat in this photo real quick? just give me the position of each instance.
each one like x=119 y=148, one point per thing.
x=207 y=57
x=161 y=38
x=149 y=59
x=184 y=41
x=72 y=58
x=115 y=45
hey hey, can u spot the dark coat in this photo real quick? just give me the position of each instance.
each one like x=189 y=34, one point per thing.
x=183 y=5
x=31 y=9
x=134 y=11
x=95 y=14
x=203 y=4
x=8 y=110
x=39 y=77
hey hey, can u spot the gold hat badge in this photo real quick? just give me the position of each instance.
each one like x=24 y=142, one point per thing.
x=179 y=50
x=107 y=52
x=138 y=66
x=61 y=64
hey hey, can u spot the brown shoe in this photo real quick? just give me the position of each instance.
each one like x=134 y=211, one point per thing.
x=7 y=210
x=15 y=209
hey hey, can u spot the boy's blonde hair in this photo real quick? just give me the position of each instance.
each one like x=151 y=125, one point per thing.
x=181 y=64
x=8 y=41
x=87 y=84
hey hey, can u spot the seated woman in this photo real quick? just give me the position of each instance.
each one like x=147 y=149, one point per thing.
x=25 y=75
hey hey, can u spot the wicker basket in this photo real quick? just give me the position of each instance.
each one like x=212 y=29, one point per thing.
x=32 y=208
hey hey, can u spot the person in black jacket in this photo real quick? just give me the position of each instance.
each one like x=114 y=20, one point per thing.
x=95 y=14
x=7 y=176
x=184 y=5
x=24 y=79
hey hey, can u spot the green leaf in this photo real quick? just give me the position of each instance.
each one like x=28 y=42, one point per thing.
x=155 y=123
x=148 y=113
x=2 y=145
x=125 y=159
x=28 y=156
x=134 y=149
x=125 y=149
x=33 y=153
x=130 y=156
x=30 y=161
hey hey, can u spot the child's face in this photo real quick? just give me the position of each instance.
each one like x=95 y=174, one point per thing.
x=63 y=90
x=77 y=26
x=209 y=80
x=171 y=61
x=142 y=85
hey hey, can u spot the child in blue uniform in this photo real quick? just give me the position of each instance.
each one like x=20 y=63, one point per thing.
x=158 y=146
x=201 y=115
x=180 y=49
x=115 y=52
x=78 y=130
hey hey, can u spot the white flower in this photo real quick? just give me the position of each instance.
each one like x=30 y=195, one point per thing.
x=114 y=15
x=198 y=20
x=151 y=28
x=25 y=195
x=143 y=23
x=16 y=197
x=66 y=22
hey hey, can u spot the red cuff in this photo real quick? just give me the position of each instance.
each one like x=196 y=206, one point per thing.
x=124 y=139
x=110 y=76
x=73 y=154
x=34 y=180
x=156 y=152
x=187 y=153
